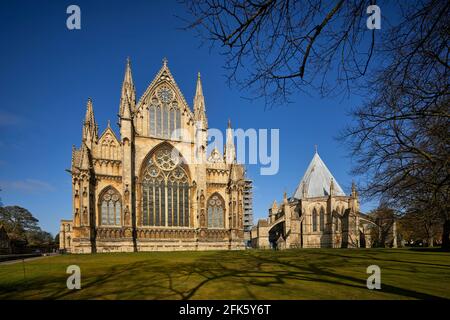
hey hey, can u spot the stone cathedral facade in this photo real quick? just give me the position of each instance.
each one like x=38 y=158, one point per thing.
x=153 y=187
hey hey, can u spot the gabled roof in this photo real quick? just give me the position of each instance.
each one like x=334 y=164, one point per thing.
x=215 y=156
x=110 y=131
x=316 y=181
x=164 y=75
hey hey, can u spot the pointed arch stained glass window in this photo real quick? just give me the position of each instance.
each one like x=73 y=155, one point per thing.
x=314 y=219
x=164 y=115
x=165 y=191
x=110 y=208
x=216 y=211
x=322 y=219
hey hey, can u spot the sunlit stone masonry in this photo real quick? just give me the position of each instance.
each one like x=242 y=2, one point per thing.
x=143 y=190
x=318 y=215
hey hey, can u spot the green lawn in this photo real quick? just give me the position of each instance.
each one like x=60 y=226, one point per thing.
x=291 y=274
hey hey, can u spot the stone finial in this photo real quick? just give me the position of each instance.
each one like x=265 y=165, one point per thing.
x=128 y=78
x=230 y=151
x=331 y=187
x=128 y=95
x=199 y=104
x=90 y=128
x=274 y=207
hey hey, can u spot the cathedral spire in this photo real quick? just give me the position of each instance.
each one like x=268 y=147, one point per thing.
x=89 y=117
x=230 y=151
x=128 y=96
x=274 y=206
x=354 y=192
x=90 y=128
x=199 y=104
x=128 y=76
x=199 y=89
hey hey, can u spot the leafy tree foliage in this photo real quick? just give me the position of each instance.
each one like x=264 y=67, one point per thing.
x=22 y=226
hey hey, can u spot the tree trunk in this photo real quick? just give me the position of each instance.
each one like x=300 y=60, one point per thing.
x=446 y=235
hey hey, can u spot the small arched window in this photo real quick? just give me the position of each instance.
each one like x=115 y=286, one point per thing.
x=216 y=211
x=152 y=117
x=178 y=121
x=110 y=208
x=158 y=121
x=165 y=121
x=322 y=219
x=171 y=123
x=336 y=219
x=314 y=219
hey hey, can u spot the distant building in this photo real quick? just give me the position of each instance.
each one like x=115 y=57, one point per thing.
x=65 y=235
x=318 y=215
x=248 y=205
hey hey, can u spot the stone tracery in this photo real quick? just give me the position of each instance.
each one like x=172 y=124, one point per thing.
x=216 y=211
x=164 y=114
x=110 y=208
x=165 y=190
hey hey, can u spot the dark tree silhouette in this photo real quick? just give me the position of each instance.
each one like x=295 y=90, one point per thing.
x=280 y=47
x=400 y=136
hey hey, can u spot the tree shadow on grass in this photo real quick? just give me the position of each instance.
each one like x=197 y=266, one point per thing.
x=374 y=255
x=252 y=275
x=313 y=271
x=254 y=271
x=54 y=287
x=209 y=276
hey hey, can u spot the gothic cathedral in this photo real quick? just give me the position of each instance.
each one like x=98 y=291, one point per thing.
x=154 y=187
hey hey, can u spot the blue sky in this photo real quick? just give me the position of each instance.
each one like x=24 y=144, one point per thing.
x=48 y=72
